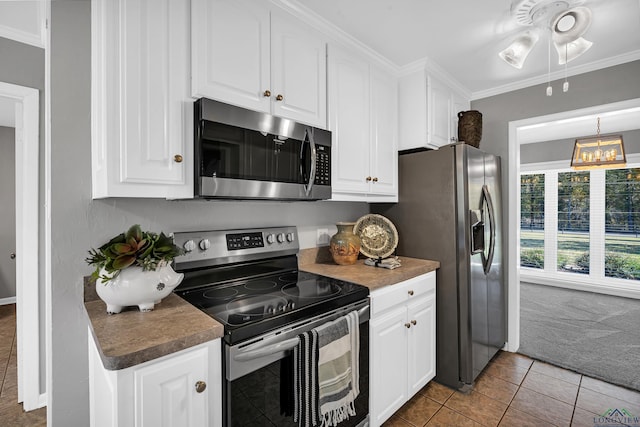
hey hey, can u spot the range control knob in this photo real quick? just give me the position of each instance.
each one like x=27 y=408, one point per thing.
x=189 y=245
x=280 y=237
x=271 y=238
x=290 y=237
x=204 y=244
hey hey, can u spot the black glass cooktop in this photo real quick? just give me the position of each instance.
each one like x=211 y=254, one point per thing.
x=250 y=307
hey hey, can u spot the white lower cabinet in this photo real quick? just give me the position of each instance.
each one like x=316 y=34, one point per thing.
x=182 y=389
x=402 y=347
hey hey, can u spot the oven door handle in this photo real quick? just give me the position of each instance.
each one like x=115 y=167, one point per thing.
x=286 y=345
x=267 y=350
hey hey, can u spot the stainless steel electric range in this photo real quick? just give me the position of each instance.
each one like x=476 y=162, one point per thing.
x=248 y=280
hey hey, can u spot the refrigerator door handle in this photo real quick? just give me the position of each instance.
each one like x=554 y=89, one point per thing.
x=492 y=228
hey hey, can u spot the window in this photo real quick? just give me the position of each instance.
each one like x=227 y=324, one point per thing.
x=622 y=224
x=573 y=222
x=581 y=227
x=532 y=221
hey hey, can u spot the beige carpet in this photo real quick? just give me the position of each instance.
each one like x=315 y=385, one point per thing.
x=593 y=334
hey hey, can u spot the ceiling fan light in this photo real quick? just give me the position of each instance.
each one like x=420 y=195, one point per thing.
x=580 y=20
x=519 y=49
x=572 y=50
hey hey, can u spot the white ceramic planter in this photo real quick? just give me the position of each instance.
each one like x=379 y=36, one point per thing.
x=133 y=286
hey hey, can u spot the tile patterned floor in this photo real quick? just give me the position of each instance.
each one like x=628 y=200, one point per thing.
x=11 y=413
x=513 y=390
x=517 y=391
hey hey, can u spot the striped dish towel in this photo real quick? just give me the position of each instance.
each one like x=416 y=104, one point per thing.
x=327 y=373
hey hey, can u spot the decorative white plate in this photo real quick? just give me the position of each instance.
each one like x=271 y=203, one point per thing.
x=378 y=236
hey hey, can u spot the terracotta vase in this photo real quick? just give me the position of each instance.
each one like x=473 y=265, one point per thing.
x=344 y=245
x=133 y=286
x=470 y=127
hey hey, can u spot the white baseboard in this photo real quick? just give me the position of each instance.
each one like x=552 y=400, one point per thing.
x=7 y=301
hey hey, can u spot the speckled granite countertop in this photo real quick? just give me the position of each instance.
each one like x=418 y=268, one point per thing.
x=131 y=337
x=318 y=260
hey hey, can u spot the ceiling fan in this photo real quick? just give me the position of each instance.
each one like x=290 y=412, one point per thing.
x=565 y=21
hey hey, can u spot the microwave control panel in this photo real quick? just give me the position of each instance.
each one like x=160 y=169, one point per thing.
x=323 y=165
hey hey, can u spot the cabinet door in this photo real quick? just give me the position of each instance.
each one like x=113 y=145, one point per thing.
x=298 y=70
x=422 y=340
x=349 y=121
x=141 y=111
x=412 y=111
x=388 y=369
x=166 y=395
x=458 y=103
x=438 y=109
x=384 y=157
x=231 y=51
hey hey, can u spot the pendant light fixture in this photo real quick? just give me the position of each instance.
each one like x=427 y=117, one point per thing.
x=599 y=151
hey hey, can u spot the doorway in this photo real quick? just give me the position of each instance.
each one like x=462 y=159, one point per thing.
x=26 y=109
x=544 y=128
x=542 y=300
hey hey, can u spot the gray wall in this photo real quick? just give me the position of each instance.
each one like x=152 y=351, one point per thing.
x=549 y=151
x=23 y=65
x=600 y=87
x=79 y=223
x=7 y=211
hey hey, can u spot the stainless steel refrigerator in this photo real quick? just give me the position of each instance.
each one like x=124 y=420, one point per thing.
x=449 y=210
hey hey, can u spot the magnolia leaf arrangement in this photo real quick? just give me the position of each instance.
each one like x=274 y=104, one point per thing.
x=133 y=248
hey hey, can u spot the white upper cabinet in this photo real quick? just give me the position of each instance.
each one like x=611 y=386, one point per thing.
x=142 y=114
x=428 y=110
x=249 y=54
x=438 y=112
x=24 y=21
x=298 y=70
x=349 y=122
x=362 y=119
x=231 y=52
x=384 y=152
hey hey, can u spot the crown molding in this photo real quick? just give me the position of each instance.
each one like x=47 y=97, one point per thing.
x=334 y=33
x=444 y=76
x=432 y=67
x=556 y=75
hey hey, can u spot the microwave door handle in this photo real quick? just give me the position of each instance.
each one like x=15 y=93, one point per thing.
x=312 y=175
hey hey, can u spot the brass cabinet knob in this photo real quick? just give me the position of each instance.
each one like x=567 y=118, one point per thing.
x=414 y=322
x=375 y=179
x=267 y=93
x=177 y=158
x=368 y=179
x=201 y=386
x=407 y=325
x=279 y=97
x=410 y=292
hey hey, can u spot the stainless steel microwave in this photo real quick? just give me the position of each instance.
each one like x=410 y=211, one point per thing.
x=245 y=154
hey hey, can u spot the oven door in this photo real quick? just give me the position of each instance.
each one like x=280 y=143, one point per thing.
x=258 y=374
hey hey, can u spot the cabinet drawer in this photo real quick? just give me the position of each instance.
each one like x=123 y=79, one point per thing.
x=399 y=293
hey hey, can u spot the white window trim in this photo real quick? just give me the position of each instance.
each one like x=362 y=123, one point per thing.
x=595 y=281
